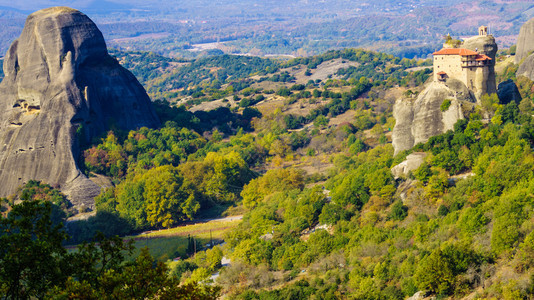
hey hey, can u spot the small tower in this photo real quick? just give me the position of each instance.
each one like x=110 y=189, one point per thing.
x=483 y=30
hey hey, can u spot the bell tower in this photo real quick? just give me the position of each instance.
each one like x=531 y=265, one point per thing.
x=483 y=30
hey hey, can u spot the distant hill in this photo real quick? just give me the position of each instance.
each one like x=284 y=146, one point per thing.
x=300 y=28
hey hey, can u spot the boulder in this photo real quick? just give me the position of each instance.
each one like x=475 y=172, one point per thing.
x=508 y=92
x=411 y=163
x=61 y=89
x=417 y=296
x=525 y=41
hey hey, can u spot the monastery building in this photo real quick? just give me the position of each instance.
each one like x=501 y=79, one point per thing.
x=461 y=64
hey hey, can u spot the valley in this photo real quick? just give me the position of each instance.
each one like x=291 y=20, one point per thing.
x=332 y=173
x=297 y=28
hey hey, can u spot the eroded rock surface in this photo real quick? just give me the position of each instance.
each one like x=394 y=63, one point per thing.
x=527 y=67
x=60 y=88
x=419 y=119
x=411 y=163
x=525 y=41
x=485 y=80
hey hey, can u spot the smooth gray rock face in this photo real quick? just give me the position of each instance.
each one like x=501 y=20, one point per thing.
x=418 y=120
x=485 y=82
x=525 y=41
x=527 y=68
x=60 y=88
x=508 y=92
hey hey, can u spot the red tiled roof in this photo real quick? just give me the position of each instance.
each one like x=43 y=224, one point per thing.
x=455 y=51
x=442 y=73
x=483 y=57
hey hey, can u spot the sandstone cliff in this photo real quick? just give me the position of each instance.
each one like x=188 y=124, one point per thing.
x=60 y=87
x=525 y=41
x=421 y=118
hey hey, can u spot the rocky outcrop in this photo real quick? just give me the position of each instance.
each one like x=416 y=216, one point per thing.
x=508 y=92
x=417 y=296
x=419 y=119
x=527 y=68
x=61 y=88
x=485 y=78
x=411 y=163
x=525 y=41
x=525 y=47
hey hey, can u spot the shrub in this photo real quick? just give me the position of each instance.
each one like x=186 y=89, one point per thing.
x=445 y=105
x=398 y=211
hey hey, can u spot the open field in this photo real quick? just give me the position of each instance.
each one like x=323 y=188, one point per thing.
x=170 y=243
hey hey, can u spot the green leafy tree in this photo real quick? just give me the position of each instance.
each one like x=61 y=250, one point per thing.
x=272 y=181
x=253 y=251
x=321 y=121
x=505 y=232
x=213 y=258
x=32 y=259
x=352 y=190
x=35 y=265
x=141 y=279
x=131 y=203
x=399 y=211
x=423 y=173
x=166 y=200
x=438 y=272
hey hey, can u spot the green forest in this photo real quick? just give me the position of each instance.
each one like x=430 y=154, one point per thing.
x=307 y=163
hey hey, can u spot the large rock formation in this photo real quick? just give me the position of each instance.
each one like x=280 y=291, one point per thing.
x=421 y=118
x=525 y=46
x=525 y=41
x=527 y=68
x=60 y=88
x=485 y=78
x=418 y=120
x=508 y=92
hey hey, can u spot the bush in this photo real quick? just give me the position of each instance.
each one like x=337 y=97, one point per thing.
x=438 y=272
x=445 y=105
x=320 y=121
x=398 y=211
x=283 y=91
